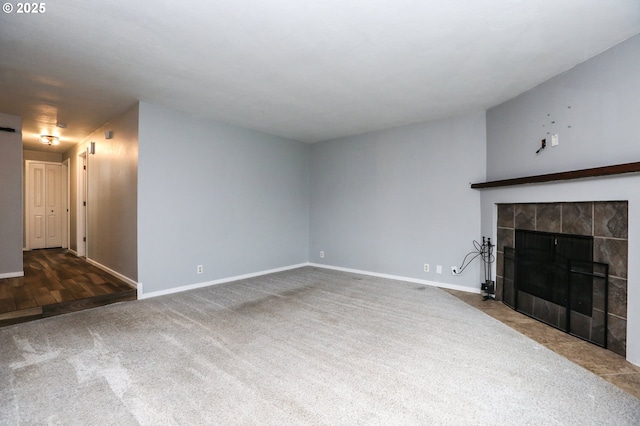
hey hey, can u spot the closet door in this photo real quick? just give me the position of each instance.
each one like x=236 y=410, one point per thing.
x=53 y=188
x=36 y=206
x=44 y=198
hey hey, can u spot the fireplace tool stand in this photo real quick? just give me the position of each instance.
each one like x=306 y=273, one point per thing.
x=485 y=252
x=488 y=287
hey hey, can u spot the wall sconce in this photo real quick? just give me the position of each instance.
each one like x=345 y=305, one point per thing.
x=49 y=140
x=108 y=134
x=92 y=148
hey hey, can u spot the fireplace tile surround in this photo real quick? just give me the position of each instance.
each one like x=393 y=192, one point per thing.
x=606 y=221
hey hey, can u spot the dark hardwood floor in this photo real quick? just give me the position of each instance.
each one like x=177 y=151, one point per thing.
x=56 y=282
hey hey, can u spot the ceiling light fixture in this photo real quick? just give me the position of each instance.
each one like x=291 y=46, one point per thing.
x=49 y=140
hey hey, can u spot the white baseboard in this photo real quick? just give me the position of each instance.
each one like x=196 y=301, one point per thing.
x=143 y=295
x=73 y=252
x=398 y=278
x=12 y=275
x=114 y=273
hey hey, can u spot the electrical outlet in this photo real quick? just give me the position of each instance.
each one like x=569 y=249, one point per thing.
x=455 y=270
x=199 y=269
x=321 y=255
x=426 y=267
x=438 y=269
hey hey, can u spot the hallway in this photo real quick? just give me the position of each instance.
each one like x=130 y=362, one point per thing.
x=56 y=282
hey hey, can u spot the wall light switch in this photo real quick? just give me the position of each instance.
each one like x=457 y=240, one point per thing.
x=554 y=140
x=438 y=269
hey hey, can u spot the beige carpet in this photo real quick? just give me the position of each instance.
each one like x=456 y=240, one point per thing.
x=307 y=346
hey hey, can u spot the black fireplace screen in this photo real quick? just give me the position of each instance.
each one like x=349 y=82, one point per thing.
x=552 y=277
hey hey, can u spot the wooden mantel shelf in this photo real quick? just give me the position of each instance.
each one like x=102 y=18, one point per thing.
x=552 y=177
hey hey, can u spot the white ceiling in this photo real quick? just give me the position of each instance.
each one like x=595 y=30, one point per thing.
x=307 y=70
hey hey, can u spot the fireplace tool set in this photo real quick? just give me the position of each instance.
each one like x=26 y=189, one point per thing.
x=488 y=287
x=485 y=252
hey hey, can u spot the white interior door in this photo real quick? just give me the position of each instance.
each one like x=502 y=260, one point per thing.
x=36 y=206
x=53 y=187
x=44 y=205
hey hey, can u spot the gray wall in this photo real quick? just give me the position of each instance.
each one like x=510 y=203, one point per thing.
x=11 y=197
x=604 y=95
x=390 y=201
x=230 y=199
x=112 y=195
x=600 y=128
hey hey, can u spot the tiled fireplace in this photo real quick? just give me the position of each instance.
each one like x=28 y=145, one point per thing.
x=605 y=221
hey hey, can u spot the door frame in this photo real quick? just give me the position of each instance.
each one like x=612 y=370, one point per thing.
x=66 y=197
x=81 y=203
x=26 y=191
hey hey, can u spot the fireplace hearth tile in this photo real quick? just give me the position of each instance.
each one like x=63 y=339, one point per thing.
x=616 y=337
x=597 y=327
x=618 y=296
x=598 y=295
x=508 y=293
x=506 y=237
x=545 y=334
x=577 y=218
x=525 y=216
x=580 y=325
x=548 y=217
x=613 y=252
x=611 y=219
x=525 y=303
x=549 y=312
x=505 y=216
